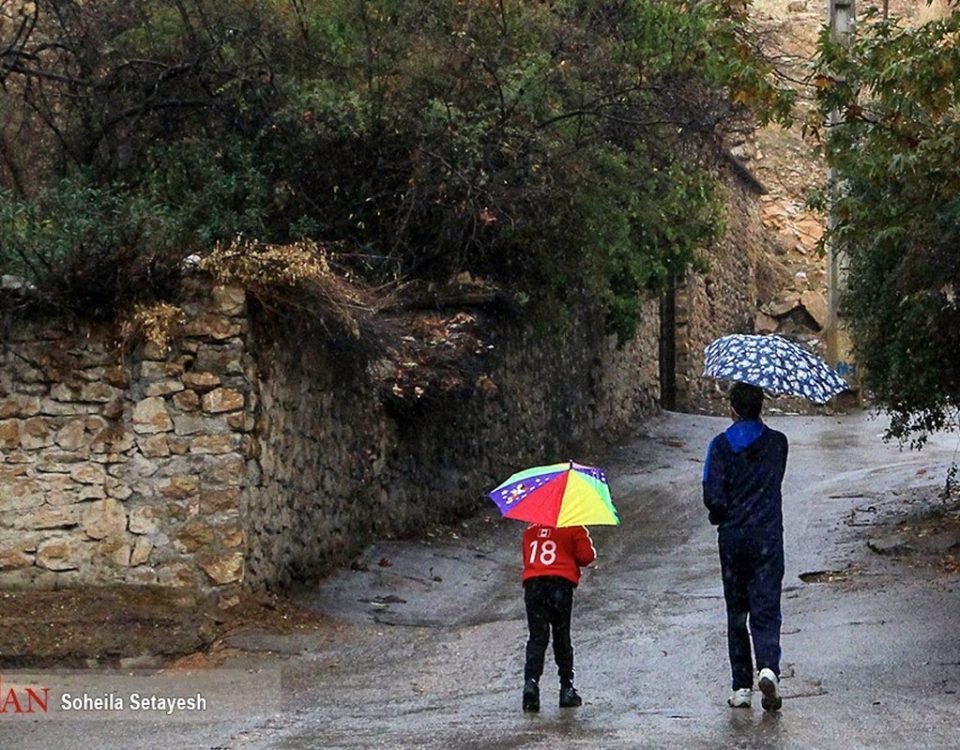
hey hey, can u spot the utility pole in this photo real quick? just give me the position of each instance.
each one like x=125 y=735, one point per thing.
x=839 y=350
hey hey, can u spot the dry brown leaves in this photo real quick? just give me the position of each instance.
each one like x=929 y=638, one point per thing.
x=297 y=276
x=155 y=323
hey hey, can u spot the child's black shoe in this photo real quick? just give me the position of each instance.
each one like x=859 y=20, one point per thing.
x=569 y=697
x=531 y=696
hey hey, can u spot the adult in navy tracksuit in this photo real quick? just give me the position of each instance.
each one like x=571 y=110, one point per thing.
x=742 y=481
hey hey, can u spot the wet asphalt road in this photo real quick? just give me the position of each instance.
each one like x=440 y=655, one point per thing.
x=429 y=649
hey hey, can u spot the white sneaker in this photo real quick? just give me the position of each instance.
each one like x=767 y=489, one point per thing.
x=769 y=686
x=741 y=698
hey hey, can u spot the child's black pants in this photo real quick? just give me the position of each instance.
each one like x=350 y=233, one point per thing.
x=549 y=603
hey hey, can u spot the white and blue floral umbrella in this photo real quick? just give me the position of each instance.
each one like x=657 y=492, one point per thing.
x=773 y=363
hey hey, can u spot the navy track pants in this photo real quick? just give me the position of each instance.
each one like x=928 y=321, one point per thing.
x=752 y=566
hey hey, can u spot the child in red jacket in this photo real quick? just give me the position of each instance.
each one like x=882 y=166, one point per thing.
x=552 y=559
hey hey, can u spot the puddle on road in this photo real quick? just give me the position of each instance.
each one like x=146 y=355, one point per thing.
x=826 y=576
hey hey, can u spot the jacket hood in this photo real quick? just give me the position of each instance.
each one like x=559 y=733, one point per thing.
x=744 y=433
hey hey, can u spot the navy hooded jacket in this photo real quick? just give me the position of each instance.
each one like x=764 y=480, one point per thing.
x=743 y=475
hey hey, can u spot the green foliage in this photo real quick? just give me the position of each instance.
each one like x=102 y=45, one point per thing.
x=896 y=150
x=664 y=217
x=216 y=188
x=92 y=244
x=547 y=146
x=87 y=244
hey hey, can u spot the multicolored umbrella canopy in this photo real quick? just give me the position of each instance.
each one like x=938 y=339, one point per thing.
x=567 y=494
x=773 y=363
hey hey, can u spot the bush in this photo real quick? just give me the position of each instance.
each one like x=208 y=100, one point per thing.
x=546 y=146
x=898 y=213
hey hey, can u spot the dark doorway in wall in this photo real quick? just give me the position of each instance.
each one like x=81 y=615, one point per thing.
x=668 y=346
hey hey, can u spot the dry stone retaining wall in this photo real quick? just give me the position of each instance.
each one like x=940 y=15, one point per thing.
x=126 y=468
x=207 y=467
x=340 y=467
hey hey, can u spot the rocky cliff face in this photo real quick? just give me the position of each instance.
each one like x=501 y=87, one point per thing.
x=791 y=272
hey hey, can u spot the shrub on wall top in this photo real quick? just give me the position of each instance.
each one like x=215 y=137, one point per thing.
x=549 y=147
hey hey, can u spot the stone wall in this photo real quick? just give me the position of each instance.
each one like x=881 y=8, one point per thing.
x=126 y=467
x=203 y=466
x=724 y=299
x=341 y=467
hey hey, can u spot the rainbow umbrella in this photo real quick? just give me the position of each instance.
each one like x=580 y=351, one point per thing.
x=567 y=494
